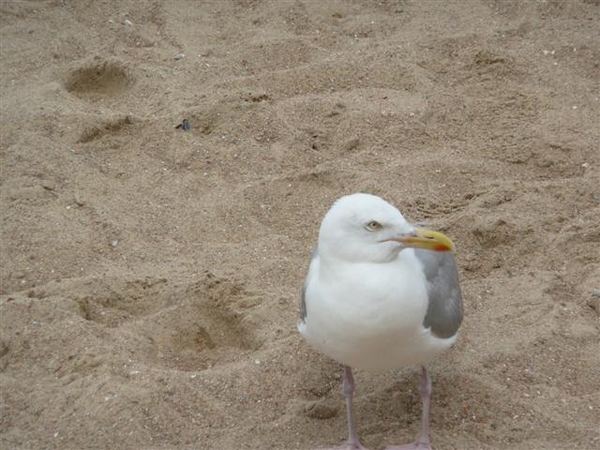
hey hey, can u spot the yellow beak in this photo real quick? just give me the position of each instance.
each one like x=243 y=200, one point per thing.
x=429 y=240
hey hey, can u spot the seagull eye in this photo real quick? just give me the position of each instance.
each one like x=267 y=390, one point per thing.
x=373 y=225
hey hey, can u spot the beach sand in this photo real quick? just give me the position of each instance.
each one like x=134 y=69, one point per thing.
x=151 y=275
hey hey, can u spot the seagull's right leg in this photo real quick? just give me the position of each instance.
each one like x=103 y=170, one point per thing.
x=349 y=387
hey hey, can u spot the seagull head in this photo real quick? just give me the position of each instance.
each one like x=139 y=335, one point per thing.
x=366 y=228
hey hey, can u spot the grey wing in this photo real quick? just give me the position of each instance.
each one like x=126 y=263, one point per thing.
x=445 y=311
x=303 y=294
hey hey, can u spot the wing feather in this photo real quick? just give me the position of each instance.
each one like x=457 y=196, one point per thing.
x=444 y=311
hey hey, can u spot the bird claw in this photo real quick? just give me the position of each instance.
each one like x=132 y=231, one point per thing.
x=346 y=446
x=418 y=445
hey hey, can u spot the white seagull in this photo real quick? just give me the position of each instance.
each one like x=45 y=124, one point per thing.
x=380 y=294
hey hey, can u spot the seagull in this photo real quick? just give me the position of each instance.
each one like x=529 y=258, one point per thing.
x=380 y=294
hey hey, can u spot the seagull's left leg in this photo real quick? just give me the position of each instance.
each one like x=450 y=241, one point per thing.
x=423 y=442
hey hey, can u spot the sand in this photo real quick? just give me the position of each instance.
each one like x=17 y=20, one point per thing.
x=151 y=275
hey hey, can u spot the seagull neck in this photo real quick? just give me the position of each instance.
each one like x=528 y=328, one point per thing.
x=332 y=262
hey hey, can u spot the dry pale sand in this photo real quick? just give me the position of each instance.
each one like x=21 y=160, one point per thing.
x=151 y=275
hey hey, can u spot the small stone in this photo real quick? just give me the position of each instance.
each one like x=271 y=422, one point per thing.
x=78 y=201
x=179 y=56
x=185 y=125
x=127 y=22
x=49 y=185
x=114 y=243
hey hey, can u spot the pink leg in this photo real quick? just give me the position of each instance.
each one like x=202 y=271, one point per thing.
x=349 y=387
x=423 y=442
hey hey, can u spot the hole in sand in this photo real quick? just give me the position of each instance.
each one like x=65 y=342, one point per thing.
x=99 y=79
